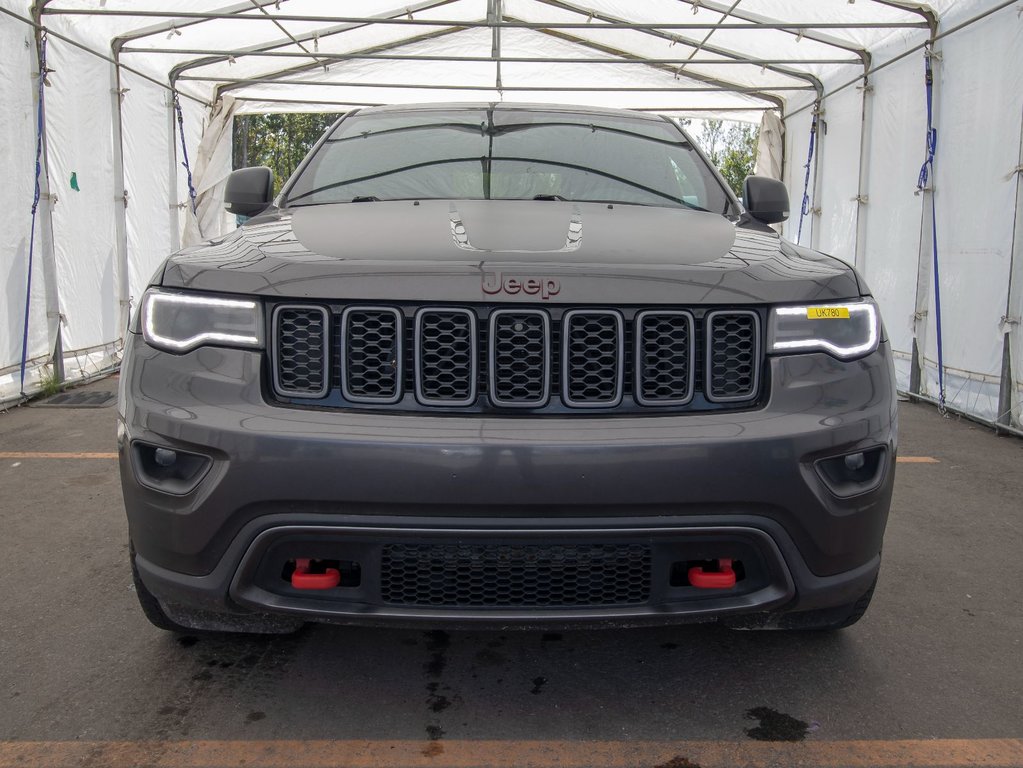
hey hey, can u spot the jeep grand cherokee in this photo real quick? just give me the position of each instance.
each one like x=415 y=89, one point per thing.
x=505 y=365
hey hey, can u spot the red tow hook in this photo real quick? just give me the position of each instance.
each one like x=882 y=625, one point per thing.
x=722 y=578
x=303 y=579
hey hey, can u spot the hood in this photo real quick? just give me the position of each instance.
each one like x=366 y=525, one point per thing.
x=507 y=251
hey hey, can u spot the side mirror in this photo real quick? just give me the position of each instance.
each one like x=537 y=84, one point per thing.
x=766 y=200
x=249 y=190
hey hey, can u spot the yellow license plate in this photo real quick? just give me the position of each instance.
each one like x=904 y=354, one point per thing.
x=827 y=313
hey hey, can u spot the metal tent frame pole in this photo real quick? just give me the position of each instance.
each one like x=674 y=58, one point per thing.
x=220 y=56
x=120 y=193
x=715 y=50
x=1009 y=399
x=224 y=54
x=807 y=27
x=358 y=104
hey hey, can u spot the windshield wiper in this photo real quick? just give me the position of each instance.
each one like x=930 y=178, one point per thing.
x=365 y=199
x=549 y=197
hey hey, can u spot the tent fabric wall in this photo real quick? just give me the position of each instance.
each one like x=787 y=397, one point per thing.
x=864 y=206
x=770 y=160
x=18 y=131
x=212 y=166
x=80 y=163
x=148 y=179
x=977 y=103
x=975 y=247
x=892 y=235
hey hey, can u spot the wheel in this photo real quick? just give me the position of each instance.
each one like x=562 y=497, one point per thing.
x=150 y=605
x=819 y=620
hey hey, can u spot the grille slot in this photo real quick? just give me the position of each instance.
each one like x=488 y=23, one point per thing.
x=665 y=363
x=592 y=358
x=300 y=335
x=733 y=355
x=519 y=347
x=371 y=354
x=468 y=575
x=445 y=354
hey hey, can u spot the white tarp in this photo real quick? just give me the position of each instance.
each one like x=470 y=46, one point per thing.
x=18 y=136
x=759 y=60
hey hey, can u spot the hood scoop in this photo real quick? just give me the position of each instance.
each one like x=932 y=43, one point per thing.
x=535 y=231
x=494 y=233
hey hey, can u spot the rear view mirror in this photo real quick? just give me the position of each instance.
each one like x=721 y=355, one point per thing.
x=249 y=190
x=766 y=199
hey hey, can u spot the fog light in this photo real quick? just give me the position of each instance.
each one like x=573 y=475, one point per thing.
x=166 y=469
x=853 y=473
x=166 y=457
x=853 y=461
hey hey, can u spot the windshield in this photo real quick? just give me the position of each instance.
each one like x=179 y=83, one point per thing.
x=508 y=154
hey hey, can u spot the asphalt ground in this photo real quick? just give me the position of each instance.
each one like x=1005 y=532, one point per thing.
x=933 y=675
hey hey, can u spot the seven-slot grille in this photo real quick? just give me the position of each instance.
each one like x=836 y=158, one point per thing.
x=526 y=357
x=478 y=575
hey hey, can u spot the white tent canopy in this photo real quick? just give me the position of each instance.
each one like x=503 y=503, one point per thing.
x=114 y=193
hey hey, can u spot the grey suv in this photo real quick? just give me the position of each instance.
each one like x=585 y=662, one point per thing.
x=505 y=365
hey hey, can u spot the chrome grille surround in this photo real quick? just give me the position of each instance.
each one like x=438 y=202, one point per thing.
x=510 y=381
x=364 y=367
x=440 y=353
x=296 y=359
x=656 y=380
x=592 y=358
x=733 y=358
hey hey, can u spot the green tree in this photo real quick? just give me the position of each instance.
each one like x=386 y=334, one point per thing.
x=279 y=141
x=732 y=147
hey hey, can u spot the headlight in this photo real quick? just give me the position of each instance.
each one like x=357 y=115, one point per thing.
x=179 y=322
x=847 y=330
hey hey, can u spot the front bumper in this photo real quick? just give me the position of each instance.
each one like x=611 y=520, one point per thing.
x=363 y=480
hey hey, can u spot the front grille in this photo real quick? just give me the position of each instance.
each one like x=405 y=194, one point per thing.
x=592 y=352
x=371 y=354
x=470 y=575
x=733 y=355
x=519 y=358
x=549 y=360
x=300 y=347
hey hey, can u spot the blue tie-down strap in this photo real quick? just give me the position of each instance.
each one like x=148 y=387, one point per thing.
x=35 y=203
x=927 y=175
x=804 y=209
x=184 y=150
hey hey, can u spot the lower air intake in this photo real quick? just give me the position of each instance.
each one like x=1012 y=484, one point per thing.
x=515 y=575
